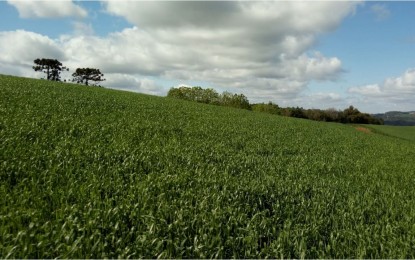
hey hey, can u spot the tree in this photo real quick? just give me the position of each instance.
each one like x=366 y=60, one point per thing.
x=270 y=108
x=51 y=67
x=235 y=100
x=333 y=115
x=176 y=93
x=84 y=75
x=198 y=94
x=210 y=96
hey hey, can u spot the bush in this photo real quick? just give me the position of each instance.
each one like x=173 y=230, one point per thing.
x=270 y=108
x=210 y=96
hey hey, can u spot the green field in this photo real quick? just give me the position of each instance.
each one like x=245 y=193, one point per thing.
x=403 y=132
x=87 y=172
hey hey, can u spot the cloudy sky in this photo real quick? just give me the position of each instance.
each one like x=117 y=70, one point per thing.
x=312 y=54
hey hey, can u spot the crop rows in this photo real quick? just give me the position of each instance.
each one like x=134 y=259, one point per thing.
x=96 y=173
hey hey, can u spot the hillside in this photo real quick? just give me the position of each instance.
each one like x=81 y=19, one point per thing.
x=89 y=172
x=398 y=118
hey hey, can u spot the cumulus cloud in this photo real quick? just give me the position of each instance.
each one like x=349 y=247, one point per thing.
x=47 y=9
x=133 y=83
x=262 y=49
x=367 y=90
x=280 y=17
x=20 y=48
x=401 y=86
x=392 y=91
x=319 y=100
x=81 y=28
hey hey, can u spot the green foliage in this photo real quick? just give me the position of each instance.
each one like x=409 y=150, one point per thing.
x=98 y=173
x=269 y=108
x=235 y=100
x=210 y=96
x=198 y=94
x=328 y=115
x=51 y=67
x=84 y=75
x=350 y=115
x=297 y=112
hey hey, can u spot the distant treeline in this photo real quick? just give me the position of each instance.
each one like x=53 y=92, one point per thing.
x=210 y=96
x=349 y=115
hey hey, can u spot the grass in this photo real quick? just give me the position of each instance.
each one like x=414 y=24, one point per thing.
x=95 y=173
x=403 y=132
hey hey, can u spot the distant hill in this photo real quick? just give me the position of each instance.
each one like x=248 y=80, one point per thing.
x=398 y=118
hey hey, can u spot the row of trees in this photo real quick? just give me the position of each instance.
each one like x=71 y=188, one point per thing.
x=349 y=115
x=210 y=96
x=53 y=69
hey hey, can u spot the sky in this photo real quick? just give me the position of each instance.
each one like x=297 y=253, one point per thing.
x=311 y=54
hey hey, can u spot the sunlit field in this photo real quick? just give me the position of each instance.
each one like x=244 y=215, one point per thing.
x=87 y=172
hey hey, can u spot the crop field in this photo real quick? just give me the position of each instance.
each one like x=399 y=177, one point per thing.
x=87 y=172
x=403 y=132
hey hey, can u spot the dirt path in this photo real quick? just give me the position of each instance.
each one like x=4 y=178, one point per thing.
x=363 y=129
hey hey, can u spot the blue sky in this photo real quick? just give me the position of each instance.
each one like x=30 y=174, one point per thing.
x=309 y=54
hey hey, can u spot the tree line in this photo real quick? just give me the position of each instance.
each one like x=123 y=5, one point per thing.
x=53 y=68
x=349 y=115
x=210 y=96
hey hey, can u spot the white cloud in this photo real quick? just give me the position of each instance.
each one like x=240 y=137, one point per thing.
x=81 y=28
x=390 y=93
x=319 y=100
x=261 y=49
x=20 y=48
x=279 y=17
x=367 y=90
x=261 y=45
x=380 y=11
x=315 y=67
x=47 y=9
x=133 y=83
x=401 y=86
